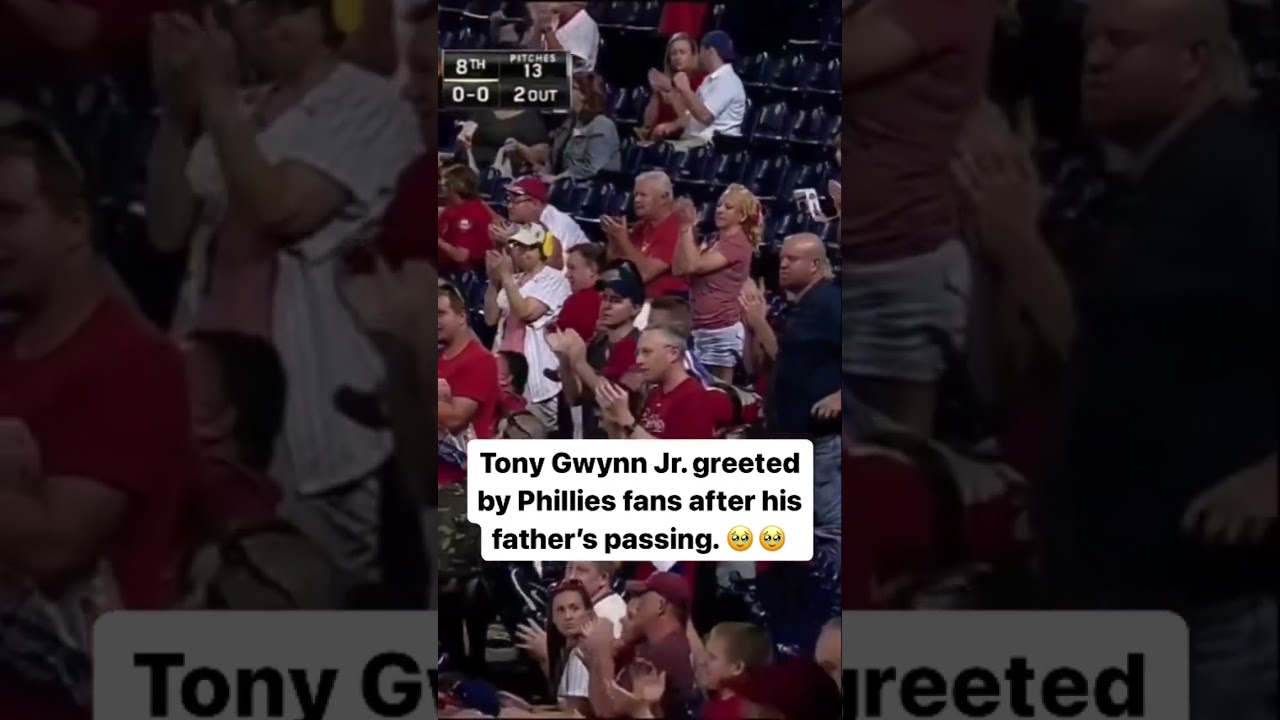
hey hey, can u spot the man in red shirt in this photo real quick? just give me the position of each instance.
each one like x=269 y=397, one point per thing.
x=675 y=405
x=464 y=222
x=651 y=244
x=468 y=377
x=581 y=312
x=97 y=449
x=914 y=71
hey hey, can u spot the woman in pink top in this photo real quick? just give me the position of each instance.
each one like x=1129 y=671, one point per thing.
x=716 y=272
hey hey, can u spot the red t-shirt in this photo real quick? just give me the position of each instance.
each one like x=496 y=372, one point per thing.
x=902 y=133
x=714 y=296
x=658 y=241
x=683 y=17
x=473 y=374
x=111 y=405
x=682 y=414
x=406 y=224
x=465 y=226
x=894 y=526
x=666 y=113
x=581 y=313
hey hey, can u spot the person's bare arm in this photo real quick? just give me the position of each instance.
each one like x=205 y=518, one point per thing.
x=57 y=532
x=287 y=200
x=171 y=204
x=539 y=154
x=874 y=46
x=528 y=309
x=492 y=313
x=622 y=248
x=456 y=413
x=651 y=112
x=690 y=261
x=63 y=26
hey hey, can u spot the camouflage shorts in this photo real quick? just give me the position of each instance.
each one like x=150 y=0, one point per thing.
x=459 y=539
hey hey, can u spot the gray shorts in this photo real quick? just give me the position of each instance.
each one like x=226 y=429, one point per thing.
x=890 y=308
x=721 y=347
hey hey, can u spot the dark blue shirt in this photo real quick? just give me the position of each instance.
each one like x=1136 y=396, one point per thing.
x=808 y=367
x=1172 y=385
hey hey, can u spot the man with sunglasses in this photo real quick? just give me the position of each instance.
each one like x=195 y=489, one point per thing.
x=94 y=402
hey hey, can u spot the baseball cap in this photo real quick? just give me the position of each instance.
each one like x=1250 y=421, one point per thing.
x=530 y=186
x=623 y=278
x=720 y=41
x=531 y=235
x=668 y=585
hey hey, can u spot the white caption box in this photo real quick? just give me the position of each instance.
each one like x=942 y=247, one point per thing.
x=656 y=500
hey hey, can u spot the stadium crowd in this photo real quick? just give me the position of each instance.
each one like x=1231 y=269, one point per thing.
x=208 y=397
x=1059 y=245
x=637 y=268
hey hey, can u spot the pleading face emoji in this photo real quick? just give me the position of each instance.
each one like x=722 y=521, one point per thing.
x=772 y=538
x=740 y=538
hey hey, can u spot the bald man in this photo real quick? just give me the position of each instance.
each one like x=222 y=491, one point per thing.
x=1166 y=487
x=805 y=392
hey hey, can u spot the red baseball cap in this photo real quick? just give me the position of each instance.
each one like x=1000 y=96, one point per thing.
x=530 y=186
x=668 y=585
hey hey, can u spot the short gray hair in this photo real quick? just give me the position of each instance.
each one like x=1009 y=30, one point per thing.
x=661 y=179
x=671 y=335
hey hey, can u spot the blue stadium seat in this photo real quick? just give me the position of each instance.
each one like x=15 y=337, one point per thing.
x=826 y=82
x=812 y=129
x=655 y=156
x=772 y=123
x=790 y=76
x=707 y=218
x=647 y=16
x=770 y=70
x=493 y=184
x=728 y=169
x=594 y=204
x=694 y=167
x=621 y=105
x=577 y=197
x=619 y=203
x=631 y=158
x=764 y=176
x=750 y=67
x=560 y=191
x=831 y=235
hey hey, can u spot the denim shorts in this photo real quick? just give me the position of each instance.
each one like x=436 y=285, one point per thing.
x=893 y=311
x=721 y=347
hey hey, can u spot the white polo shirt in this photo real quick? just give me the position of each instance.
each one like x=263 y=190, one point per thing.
x=724 y=95
x=580 y=37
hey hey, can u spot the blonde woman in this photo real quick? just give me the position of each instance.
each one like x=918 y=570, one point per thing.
x=663 y=114
x=716 y=272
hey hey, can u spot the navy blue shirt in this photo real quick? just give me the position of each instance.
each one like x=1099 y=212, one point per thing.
x=1172 y=384
x=808 y=367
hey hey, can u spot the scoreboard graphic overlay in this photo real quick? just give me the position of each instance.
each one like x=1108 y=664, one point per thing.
x=505 y=79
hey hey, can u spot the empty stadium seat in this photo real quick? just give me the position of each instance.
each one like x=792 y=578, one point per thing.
x=772 y=123
x=594 y=203
x=560 y=190
x=764 y=176
x=728 y=169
